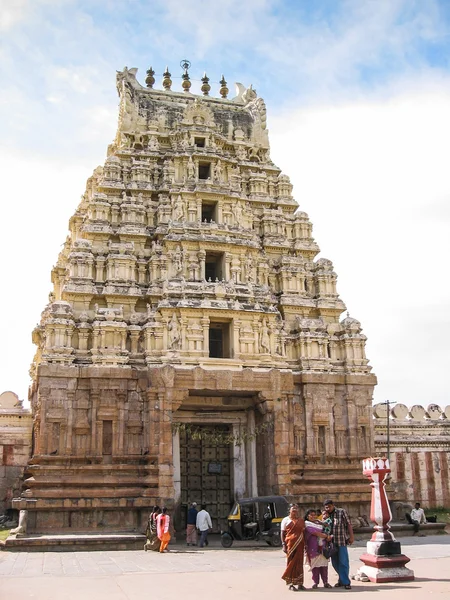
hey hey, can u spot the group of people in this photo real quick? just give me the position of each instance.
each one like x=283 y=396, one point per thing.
x=314 y=540
x=160 y=528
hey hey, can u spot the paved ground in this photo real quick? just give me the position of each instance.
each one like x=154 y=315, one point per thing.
x=197 y=574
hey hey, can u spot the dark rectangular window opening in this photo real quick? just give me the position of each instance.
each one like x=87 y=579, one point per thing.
x=200 y=142
x=214 y=266
x=204 y=170
x=209 y=211
x=219 y=340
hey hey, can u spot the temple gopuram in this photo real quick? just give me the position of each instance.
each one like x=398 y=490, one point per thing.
x=192 y=347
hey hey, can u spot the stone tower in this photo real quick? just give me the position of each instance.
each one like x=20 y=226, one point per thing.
x=191 y=348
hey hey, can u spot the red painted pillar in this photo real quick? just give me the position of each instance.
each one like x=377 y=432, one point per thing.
x=383 y=561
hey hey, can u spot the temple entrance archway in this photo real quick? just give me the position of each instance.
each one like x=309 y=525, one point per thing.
x=216 y=453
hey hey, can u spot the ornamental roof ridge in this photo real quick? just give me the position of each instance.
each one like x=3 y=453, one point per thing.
x=244 y=95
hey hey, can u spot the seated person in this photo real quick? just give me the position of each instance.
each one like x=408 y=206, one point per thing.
x=416 y=517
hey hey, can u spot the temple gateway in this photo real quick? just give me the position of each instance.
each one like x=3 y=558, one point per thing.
x=191 y=349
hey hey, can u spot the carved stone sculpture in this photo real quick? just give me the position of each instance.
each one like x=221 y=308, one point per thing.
x=189 y=293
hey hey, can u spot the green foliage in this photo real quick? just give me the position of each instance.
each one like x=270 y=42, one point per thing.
x=218 y=437
x=442 y=513
x=4 y=534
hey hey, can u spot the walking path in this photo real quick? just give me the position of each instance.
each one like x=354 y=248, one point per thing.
x=252 y=571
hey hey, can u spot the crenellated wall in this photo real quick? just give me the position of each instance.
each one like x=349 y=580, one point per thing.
x=15 y=446
x=419 y=451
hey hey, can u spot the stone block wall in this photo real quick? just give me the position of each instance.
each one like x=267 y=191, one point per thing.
x=419 y=452
x=15 y=447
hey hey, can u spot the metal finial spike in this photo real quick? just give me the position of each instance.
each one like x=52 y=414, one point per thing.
x=185 y=64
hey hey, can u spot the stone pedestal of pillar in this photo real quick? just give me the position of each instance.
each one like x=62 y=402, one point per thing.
x=383 y=561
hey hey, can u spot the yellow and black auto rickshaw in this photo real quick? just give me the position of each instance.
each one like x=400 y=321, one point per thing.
x=256 y=519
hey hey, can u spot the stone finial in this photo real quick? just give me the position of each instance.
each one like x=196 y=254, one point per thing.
x=186 y=83
x=150 y=80
x=205 y=85
x=167 y=82
x=223 y=87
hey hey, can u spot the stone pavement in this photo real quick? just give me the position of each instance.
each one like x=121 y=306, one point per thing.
x=247 y=572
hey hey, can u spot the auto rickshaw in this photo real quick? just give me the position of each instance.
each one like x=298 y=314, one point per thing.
x=256 y=519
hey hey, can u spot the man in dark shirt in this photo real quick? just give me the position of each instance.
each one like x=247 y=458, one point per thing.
x=342 y=532
x=191 y=530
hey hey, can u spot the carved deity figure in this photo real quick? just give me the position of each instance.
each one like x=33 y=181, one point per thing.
x=241 y=153
x=218 y=171
x=156 y=174
x=174 y=333
x=237 y=213
x=264 y=339
x=178 y=261
x=249 y=268
x=178 y=209
x=153 y=143
x=191 y=168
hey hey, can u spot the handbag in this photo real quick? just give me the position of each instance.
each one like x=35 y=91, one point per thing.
x=329 y=549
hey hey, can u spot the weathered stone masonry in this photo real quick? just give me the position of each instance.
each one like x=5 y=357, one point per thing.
x=420 y=452
x=15 y=446
x=188 y=301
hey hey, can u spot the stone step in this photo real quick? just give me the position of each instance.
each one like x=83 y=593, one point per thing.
x=74 y=542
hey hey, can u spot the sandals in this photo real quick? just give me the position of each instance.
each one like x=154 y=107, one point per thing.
x=347 y=587
x=327 y=585
x=300 y=588
x=315 y=586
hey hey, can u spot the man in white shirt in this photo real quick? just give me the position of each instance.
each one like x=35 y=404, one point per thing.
x=417 y=517
x=204 y=524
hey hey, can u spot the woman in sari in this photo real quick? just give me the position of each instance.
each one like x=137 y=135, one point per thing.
x=314 y=534
x=163 y=527
x=152 y=543
x=292 y=537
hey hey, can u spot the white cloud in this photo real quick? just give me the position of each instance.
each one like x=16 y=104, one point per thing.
x=12 y=12
x=367 y=173
x=35 y=218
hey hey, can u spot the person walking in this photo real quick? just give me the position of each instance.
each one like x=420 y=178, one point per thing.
x=204 y=524
x=163 y=527
x=314 y=534
x=342 y=532
x=191 y=525
x=292 y=538
x=417 y=518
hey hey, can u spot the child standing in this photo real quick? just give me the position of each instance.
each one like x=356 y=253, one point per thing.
x=314 y=534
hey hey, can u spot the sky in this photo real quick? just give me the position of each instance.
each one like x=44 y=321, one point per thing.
x=358 y=100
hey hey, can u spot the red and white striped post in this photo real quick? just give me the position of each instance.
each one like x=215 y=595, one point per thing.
x=383 y=561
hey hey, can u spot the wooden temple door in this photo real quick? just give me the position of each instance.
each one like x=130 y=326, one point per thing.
x=205 y=469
